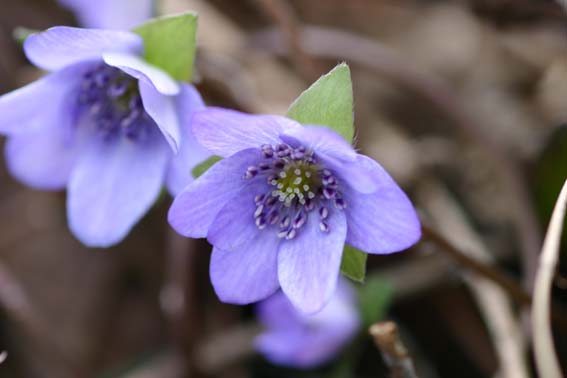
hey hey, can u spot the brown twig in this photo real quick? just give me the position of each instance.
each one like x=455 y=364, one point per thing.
x=499 y=315
x=508 y=284
x=336 y=44
x=514 y=290
x=283 y=15
x=395 y=354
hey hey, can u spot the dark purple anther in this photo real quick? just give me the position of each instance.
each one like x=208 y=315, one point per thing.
x=264 y=166
x=271 y=201
x=340 y=203
x=117 y=89
x=285 y=222
x=299 y=219
x=259 y=199
x=291 y=234
x=251 y=172
x=261 y=223
x=279 y=164
x=273 y=217
x=267 y=150
x=329 y=193
x=323 y=212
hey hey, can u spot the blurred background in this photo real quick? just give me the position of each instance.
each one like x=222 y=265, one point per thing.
x=465 y=104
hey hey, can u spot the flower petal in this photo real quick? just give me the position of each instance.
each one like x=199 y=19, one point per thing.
x=381 y=222
x=277 y=312
x=308 y=266
x=191 y=153
x=363 y=174
x=225 y=132
x=43 y=159
x=61 y=46
x=244 y=261
x=196 y=207
x=246 y=275
x=112 y=186
x=322 y=140
x=41 y=104
x=305 y=341
x=110 y=14
x=162 y=109
x=136 y=67
x=234 y=227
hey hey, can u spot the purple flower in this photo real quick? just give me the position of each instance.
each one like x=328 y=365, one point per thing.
x=280 y=207
x=110 y=14
x=297 y=340
x=105 y=125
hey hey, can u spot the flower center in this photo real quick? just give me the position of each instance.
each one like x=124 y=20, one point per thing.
x=110 y=100
x=297 y=186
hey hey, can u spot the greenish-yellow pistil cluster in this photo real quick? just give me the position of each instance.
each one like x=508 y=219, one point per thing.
x=297 y=180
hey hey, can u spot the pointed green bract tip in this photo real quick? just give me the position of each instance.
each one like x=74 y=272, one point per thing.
x=205 y=165
x=353 y=263
x=328 y=102
x=170 y=43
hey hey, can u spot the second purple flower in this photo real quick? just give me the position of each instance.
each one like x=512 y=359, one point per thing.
x=105 y=124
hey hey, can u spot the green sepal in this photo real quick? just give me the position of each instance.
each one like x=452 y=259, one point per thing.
x=327 y=102
x=205 y=165
x=170 y=43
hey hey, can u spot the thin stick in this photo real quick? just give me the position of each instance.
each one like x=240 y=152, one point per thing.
x=395 y=354
x=283 y=15
x=545 y=357
x=493 y=302
x=509 y=285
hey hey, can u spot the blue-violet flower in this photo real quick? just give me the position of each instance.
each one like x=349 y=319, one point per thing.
x=294 y=339
x=280 y=206
x=110 y=14
x=105 y=124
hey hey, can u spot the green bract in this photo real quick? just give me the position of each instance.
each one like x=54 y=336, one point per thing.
x=204 y=166
x=170 y=42
x=353 y=264
x=328 y=102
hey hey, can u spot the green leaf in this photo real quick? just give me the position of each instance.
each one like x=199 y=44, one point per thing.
x=20 y=34
x=375 y=297
x=353 y=264
x=328 y=102
x=169 y=43
x=204 y=166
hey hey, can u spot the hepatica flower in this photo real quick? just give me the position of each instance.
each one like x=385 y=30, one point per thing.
x=280 y=206
x=105 y=124
x=110 y=14
x=294 y=339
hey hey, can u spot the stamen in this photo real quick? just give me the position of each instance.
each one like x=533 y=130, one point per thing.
x=259 y=199
x=295 y=185
x=258 y=211
x=299 y=220
x=260 y=223
x=323 y=212
x=251 y=172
